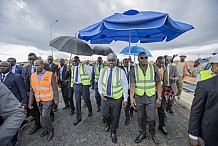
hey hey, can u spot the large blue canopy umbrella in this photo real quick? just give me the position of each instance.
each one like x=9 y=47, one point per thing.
x=133 y=26
x=135 y=50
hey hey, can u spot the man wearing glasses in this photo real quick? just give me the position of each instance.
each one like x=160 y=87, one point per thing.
x=112 y=87
x=80 y=81
x=144 y=79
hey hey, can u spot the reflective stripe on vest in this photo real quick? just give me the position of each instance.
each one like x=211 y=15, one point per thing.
x=117 y=91
x=144 y=84
x=97 y=73
x=43 y=89
x=205 y=75
x=83 y=76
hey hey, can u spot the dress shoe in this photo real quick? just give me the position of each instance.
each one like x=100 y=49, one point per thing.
x=50 y=135
x=89 y=114
x=163 y=129
x=171 y=111
x=107 y=128
x=114 y=138
x=131 y=114
x=66 y=107
x=44 y=133
x=98 y=109
x=155 y=140
x=140 y=137
x=127 y=121
x=77 y=122
x=71 y=112
x=35 y=128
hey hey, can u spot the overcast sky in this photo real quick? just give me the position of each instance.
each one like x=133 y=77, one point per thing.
x=25 y=24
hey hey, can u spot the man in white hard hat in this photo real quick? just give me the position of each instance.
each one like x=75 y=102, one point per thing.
x=203 y=120
x=206 y=74
x=206 y=67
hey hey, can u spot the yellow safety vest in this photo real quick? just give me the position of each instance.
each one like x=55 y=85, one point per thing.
x=117 y=91
x=83 y=75
x=144 y=84
x=97 y=73
x=205 y=75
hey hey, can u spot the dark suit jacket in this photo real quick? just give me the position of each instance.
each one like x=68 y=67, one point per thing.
x=54 y=68
x=18 y=69
x=65 y=74
x=27 y=74
x=204 y=112
x=16 y=85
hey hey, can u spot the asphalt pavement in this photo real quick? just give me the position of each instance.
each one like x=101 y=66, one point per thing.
x=90 y=132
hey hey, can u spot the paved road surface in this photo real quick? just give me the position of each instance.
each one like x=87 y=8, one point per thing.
x=90 y=131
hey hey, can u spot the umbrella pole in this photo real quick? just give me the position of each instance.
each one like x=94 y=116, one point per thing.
x=70 y=59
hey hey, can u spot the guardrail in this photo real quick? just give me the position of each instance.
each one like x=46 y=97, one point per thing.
x=190 y=83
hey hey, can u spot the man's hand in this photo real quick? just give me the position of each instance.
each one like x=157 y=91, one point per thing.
x=56 y=102
x=92 y=87
x=102 y=97
x=193 y=142
x=124 y=104
x=25 y=105
x=133 y=103
x=30 y=106
x=158 y=103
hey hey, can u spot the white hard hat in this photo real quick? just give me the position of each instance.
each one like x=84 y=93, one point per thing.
x=182 y=54
x=215 y=51
x=214 y=59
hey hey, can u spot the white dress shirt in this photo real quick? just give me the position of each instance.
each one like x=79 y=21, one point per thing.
x=61 y=72
x=87 y=70
x=5 y=75
x=168 y=74
x=123 y=81
x=13 y=68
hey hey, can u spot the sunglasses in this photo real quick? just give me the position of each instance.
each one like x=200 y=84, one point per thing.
x=144 y=57
x=75 y=60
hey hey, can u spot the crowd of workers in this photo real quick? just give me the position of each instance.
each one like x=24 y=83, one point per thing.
x=150 y=87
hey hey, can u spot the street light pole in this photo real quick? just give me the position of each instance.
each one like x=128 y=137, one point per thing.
x=51 y=35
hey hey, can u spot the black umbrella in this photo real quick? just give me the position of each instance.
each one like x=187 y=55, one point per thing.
x=102 y=50
x=71 y=45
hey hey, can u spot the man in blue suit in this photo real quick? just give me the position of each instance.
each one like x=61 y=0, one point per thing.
x=15 y=68
x=16 y=85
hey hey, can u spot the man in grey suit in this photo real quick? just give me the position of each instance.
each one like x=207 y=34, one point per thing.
x=169 y=83
x=203 y=118
x=12 y=114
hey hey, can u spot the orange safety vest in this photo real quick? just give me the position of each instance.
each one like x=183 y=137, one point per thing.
x=42 y=90
x=184 y=69
x=161 y=72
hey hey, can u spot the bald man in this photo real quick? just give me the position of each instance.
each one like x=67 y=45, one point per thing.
x=44 y=90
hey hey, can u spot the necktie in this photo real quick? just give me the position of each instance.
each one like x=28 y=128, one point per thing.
x=3 y=78
x=109 y=83
x=165 y=77
x=77 y=73
x=99 y=68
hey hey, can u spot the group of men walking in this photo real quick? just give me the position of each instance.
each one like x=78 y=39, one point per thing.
x=142 y=87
